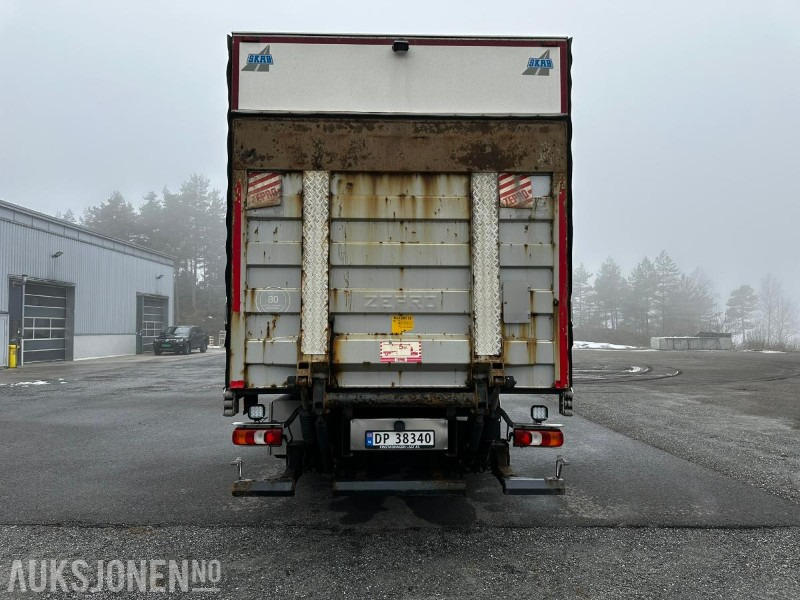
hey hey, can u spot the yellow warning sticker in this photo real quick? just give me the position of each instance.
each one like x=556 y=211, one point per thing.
x=401 y=323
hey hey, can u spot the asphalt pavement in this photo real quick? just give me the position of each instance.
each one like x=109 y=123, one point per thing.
x=684 y=481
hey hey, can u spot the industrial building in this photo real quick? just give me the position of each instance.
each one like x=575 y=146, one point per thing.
x=67 y=293
x=702 y=341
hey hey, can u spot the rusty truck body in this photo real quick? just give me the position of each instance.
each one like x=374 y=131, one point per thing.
x=399 y=257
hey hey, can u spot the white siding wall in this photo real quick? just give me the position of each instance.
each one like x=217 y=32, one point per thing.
x=94 y=346
x=3 y=340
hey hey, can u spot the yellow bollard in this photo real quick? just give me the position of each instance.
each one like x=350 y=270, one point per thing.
x=12 y=356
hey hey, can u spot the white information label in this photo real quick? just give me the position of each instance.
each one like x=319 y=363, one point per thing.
x=401 y=352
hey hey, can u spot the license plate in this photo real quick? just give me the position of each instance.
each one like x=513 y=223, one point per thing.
x=400 y=440
x=166 y=345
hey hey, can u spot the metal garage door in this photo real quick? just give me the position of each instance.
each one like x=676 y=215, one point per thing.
x=152 y=320
x=45 y=317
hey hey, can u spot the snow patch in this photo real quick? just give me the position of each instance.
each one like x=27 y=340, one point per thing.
x=27 y=383
x=601 y=346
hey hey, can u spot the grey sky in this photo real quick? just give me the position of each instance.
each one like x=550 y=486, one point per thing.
x=685 y=113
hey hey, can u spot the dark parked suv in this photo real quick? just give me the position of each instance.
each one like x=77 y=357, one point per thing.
x=180 y=338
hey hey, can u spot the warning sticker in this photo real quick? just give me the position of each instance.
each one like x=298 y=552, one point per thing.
x=401 y=323
x=516 y=191
x=263 y=189
x=401 y=352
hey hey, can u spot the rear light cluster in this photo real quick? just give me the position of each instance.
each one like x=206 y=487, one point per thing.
x=271 y=436
x=550 y=438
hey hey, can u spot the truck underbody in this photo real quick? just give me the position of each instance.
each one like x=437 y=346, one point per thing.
x=334 y=434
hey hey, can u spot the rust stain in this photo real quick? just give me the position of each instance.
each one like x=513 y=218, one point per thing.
x=272 y=326
x=237 y=352
x=379 y=144
x=250 y=298
x=337 y=347
x=531 y=345
x=517 y=331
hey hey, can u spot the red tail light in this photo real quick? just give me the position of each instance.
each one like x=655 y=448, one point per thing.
x=551 y=438
x=272 y=436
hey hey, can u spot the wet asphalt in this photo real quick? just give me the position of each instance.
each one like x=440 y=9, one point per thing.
x=684 y=481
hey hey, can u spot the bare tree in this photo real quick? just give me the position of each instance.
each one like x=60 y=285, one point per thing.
x=777 y=324
x=785 y=321
x=770 y=299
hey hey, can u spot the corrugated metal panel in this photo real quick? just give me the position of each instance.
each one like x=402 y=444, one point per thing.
x=403 y=246
x=527 y=261
x=106 y=282
x=400 y=251
x=273 y=283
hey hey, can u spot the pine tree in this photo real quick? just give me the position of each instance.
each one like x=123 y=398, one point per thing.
x=704 y=302
x=693 y=304
x=67 y=216
x=610 y=288
x=641 y=296
x=581 y=289
x=189 y=225
x=155 y=231
x=196 y=217
x=667 y=281
x=741 y=304
x=115 y=218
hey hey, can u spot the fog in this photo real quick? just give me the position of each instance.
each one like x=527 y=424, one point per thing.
x=685 y=113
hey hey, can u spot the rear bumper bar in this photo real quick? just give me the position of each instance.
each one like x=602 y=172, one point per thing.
x=528 y=486
x=267 y=487
x=418 y=487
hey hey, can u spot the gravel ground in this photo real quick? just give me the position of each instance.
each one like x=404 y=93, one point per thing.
x=445 y=563
x=683 y=483
x=735 y=413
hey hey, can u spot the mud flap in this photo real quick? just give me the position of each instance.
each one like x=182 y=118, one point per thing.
x=522 y=486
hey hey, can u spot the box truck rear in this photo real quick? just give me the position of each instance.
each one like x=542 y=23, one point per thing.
x=399 y=257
